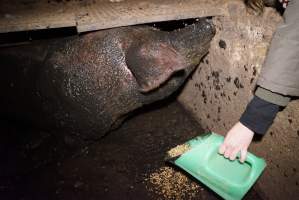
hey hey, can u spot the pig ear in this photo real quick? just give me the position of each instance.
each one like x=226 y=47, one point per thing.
x=153 y=63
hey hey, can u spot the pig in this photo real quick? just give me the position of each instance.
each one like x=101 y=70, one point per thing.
x=88 y=84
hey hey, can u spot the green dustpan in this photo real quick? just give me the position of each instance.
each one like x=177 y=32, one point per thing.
x=229 y=179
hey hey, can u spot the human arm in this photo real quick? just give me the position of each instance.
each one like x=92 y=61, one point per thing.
x=256 y=119
x=278 y=80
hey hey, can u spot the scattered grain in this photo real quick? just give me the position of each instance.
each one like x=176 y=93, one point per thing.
x=178 y=150
x=171 y=184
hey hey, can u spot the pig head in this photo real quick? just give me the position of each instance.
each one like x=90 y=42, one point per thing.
x=90 y=83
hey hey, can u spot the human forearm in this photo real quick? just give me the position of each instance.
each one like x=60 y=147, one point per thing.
x=262 y=110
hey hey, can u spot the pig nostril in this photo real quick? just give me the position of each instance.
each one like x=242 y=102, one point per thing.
x=210 y=28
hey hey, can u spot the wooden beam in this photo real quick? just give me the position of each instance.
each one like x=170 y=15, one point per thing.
x=25 y=15
x=90 y=15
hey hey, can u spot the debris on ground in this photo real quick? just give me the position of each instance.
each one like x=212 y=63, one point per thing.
x=169 y=183
x=178 y=150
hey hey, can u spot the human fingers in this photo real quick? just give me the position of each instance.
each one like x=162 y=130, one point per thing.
x=233 y=154
x=284 y=3
x=222 y=148
x=228 y=151
x=243 y=155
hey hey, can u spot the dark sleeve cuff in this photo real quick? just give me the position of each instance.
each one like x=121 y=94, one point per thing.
x=259 y=115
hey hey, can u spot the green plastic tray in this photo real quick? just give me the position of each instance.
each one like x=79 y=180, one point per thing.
x=229 y=179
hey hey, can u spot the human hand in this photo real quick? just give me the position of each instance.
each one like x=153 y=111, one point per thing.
x=237 y=140
x=284 y=3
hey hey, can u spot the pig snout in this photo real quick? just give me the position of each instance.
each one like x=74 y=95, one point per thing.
x=205 y=28
x=194 y=40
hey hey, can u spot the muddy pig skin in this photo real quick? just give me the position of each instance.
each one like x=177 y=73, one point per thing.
x=88 y=84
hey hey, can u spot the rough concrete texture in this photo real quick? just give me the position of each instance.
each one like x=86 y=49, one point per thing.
x=220 y=88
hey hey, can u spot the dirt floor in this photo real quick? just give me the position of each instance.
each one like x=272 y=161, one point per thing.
x=126 y=164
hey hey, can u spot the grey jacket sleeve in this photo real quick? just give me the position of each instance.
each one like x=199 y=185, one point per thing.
x=272 y=97
x=280 y=73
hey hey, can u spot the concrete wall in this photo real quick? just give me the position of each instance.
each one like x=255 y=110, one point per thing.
x=221 y=87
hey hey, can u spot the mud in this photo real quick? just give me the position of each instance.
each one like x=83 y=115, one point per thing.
x=36 y=165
